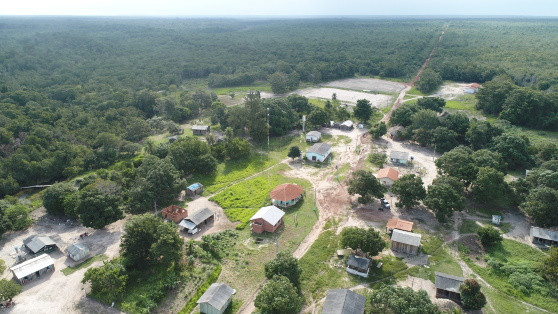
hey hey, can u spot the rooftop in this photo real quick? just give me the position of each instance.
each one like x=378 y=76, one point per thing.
x=348 y=123
x=286 y=192
x=399 y=155
x=448 y=282
x=406 y=237
x=217 y=295
x=200 y=127
x=313 y=133
x=30 y=266
x=195 y=186
x=271 y=214
x=200 y=216
x=320 y=149
x=400 y=224
x=388 y=173
x=343 y=301
x=544 y=233
x=37 y=243
x=358 y=262
x=77 y=248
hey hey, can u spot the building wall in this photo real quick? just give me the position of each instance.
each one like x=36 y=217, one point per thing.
x=263 y=225
x=404 y=248
x=313 y=139
x=318 y=156
x=399 y=161
x=287 y=203
x=208 y=309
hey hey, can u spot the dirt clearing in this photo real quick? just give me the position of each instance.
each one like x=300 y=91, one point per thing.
x=368 y=84
x=344 y=96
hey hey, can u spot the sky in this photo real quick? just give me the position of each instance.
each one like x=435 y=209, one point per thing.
x=278 y=7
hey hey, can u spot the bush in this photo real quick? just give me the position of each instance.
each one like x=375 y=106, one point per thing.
x=278 y=296
x=471 y=296
x=284 y=264
x=378 y=159
x=489 y=236
x=201 y=290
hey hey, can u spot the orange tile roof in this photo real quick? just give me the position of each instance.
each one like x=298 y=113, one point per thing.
x=286 y=192
x=400 y=224
x=388 y=173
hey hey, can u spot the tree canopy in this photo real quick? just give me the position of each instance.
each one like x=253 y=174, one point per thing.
x=278 y=296
x=409 y=190
x=284 y=264
x=393 y=299
x=366 y=185
x=367 y=240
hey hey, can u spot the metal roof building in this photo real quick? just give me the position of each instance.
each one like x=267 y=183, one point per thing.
x=320 y=148
x=358 y=266
x=343 y=301
x=37 y=244
x=399 y=155
x=77 y=251
x=271 y=214
x=544 y=236
x=30 y=268
x=216 y=298
x=196 y=218
x=447 y=286
x=405 y=242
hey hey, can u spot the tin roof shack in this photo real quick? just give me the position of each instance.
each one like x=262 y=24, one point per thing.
x=216 y=298
x=405 y=242
x=194 y=221
x=447 y=286
x=347 y=125
x=343 y=301
x=77 y=251
x=267 y=219
x=387 y=176
x=318 y=152
x=544 y=237
x=313 y=136
x=358 y=266
x=174 y=213
x=286 y=194
x=194 y=189
x=33 y=268
x=472 y=88
x=400 y=224
x=399 y=157
x=39 y=244
x=200 y=129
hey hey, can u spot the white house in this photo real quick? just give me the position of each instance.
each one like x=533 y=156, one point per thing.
x=216 y=298
x=313 y=136
x=77 y=251
x=318 y=152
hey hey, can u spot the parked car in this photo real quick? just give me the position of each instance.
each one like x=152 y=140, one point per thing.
x=384 y=203
x=193 y=231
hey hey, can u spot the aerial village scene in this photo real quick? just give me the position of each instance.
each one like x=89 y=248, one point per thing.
x=368 y=193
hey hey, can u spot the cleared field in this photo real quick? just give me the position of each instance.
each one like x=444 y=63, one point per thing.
x=343 y=95
x=368 y=84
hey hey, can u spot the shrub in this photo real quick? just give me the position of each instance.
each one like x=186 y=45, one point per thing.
x=472 y=297
x=489 y=236
x=201 y=290
x=378 y=159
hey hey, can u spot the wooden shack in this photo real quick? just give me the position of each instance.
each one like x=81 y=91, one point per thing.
x=216 y=299
x=447 y=286
x=343 y=301
x=358 y=266
x=405 y=242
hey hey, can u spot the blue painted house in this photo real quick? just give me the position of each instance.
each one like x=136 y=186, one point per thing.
x=318 y=152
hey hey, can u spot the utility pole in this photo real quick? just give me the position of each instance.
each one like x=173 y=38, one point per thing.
x=303 y=122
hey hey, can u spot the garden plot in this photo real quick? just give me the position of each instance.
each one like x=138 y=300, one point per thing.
x=368 y=84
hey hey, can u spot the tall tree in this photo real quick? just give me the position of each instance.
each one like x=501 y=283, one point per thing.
x=363 y=110
x=108 y=282
x=540 y=206
x=431 y=103
x=192 y=156
x=367 y=240
x=278 y=296
x=489 y=186
x=409 y=190
x=444 y=199
x=366 y=185
x=294 y=152
x=53 y=197
x=429 y=81
x=99 y=204
x=393 y=299
x=514 y=149
x=8 y=290
x=471 y=295
x=284 y=264
x=458 y=163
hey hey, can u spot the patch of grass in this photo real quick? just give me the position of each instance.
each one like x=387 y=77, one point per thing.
x=516 y=254
x=341 y=172
x=393 y=268
x=201 y=290
x=88 y=262
x=503 y=303
x=415 y=91
x=440 y=259
x=468 y=226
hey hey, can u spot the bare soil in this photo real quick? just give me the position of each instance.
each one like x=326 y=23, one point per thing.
x=220 y=223
x=368 y=84
x=349 y=97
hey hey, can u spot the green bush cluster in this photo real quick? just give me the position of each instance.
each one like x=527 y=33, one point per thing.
x=201 y=290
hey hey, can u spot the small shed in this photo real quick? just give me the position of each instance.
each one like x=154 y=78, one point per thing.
x=545 y=237
x=200 y=129
x=268 y=219
x=194 y=189
x=447 y=286
x=39 y=244
x=496 y=219
x=405 y=242
x=347 y=125
x=397 y=157
x=343 y=301
x=472 y=88
x=387 y=176
x=399 y=224
x=358 y=266
x=77 y=251
x=197 y=219
x=313 y=136
x=174 y=213
x=216 y=299
x=286 y=194
x=318 y=152
x=33 y=268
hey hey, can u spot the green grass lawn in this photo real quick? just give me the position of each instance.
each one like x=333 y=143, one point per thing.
x=342 y=172
x=241 y=201
x=468 y=226
x=513 y=253
x=503 y=303
x=415 y=91
x=439 y=260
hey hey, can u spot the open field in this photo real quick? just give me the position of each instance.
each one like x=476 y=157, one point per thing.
x=368 y=85
x=349 y=97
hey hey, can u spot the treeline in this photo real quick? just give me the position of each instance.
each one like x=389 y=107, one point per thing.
x=477 y=156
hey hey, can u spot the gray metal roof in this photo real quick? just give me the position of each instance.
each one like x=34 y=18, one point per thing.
x=270 y=214
x=343 y=301
x=448 y=282
x=320 y=149
x=399 y=155
x=30 y=266
x=200 y=216
x=77 y=248
x=546 y=234
x=217 y=295
x=358 y=262
x=348 y=123
x=38 y=243
x=200 y=127
x=314 y=133
x=406 y=237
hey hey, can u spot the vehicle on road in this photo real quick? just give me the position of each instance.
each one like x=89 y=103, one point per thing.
x=384 y=204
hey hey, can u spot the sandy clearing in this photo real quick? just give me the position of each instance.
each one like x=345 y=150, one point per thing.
x=450 y=91
x=368 y=84
x=220 y=223
x=345 y=96
x=55 y=292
